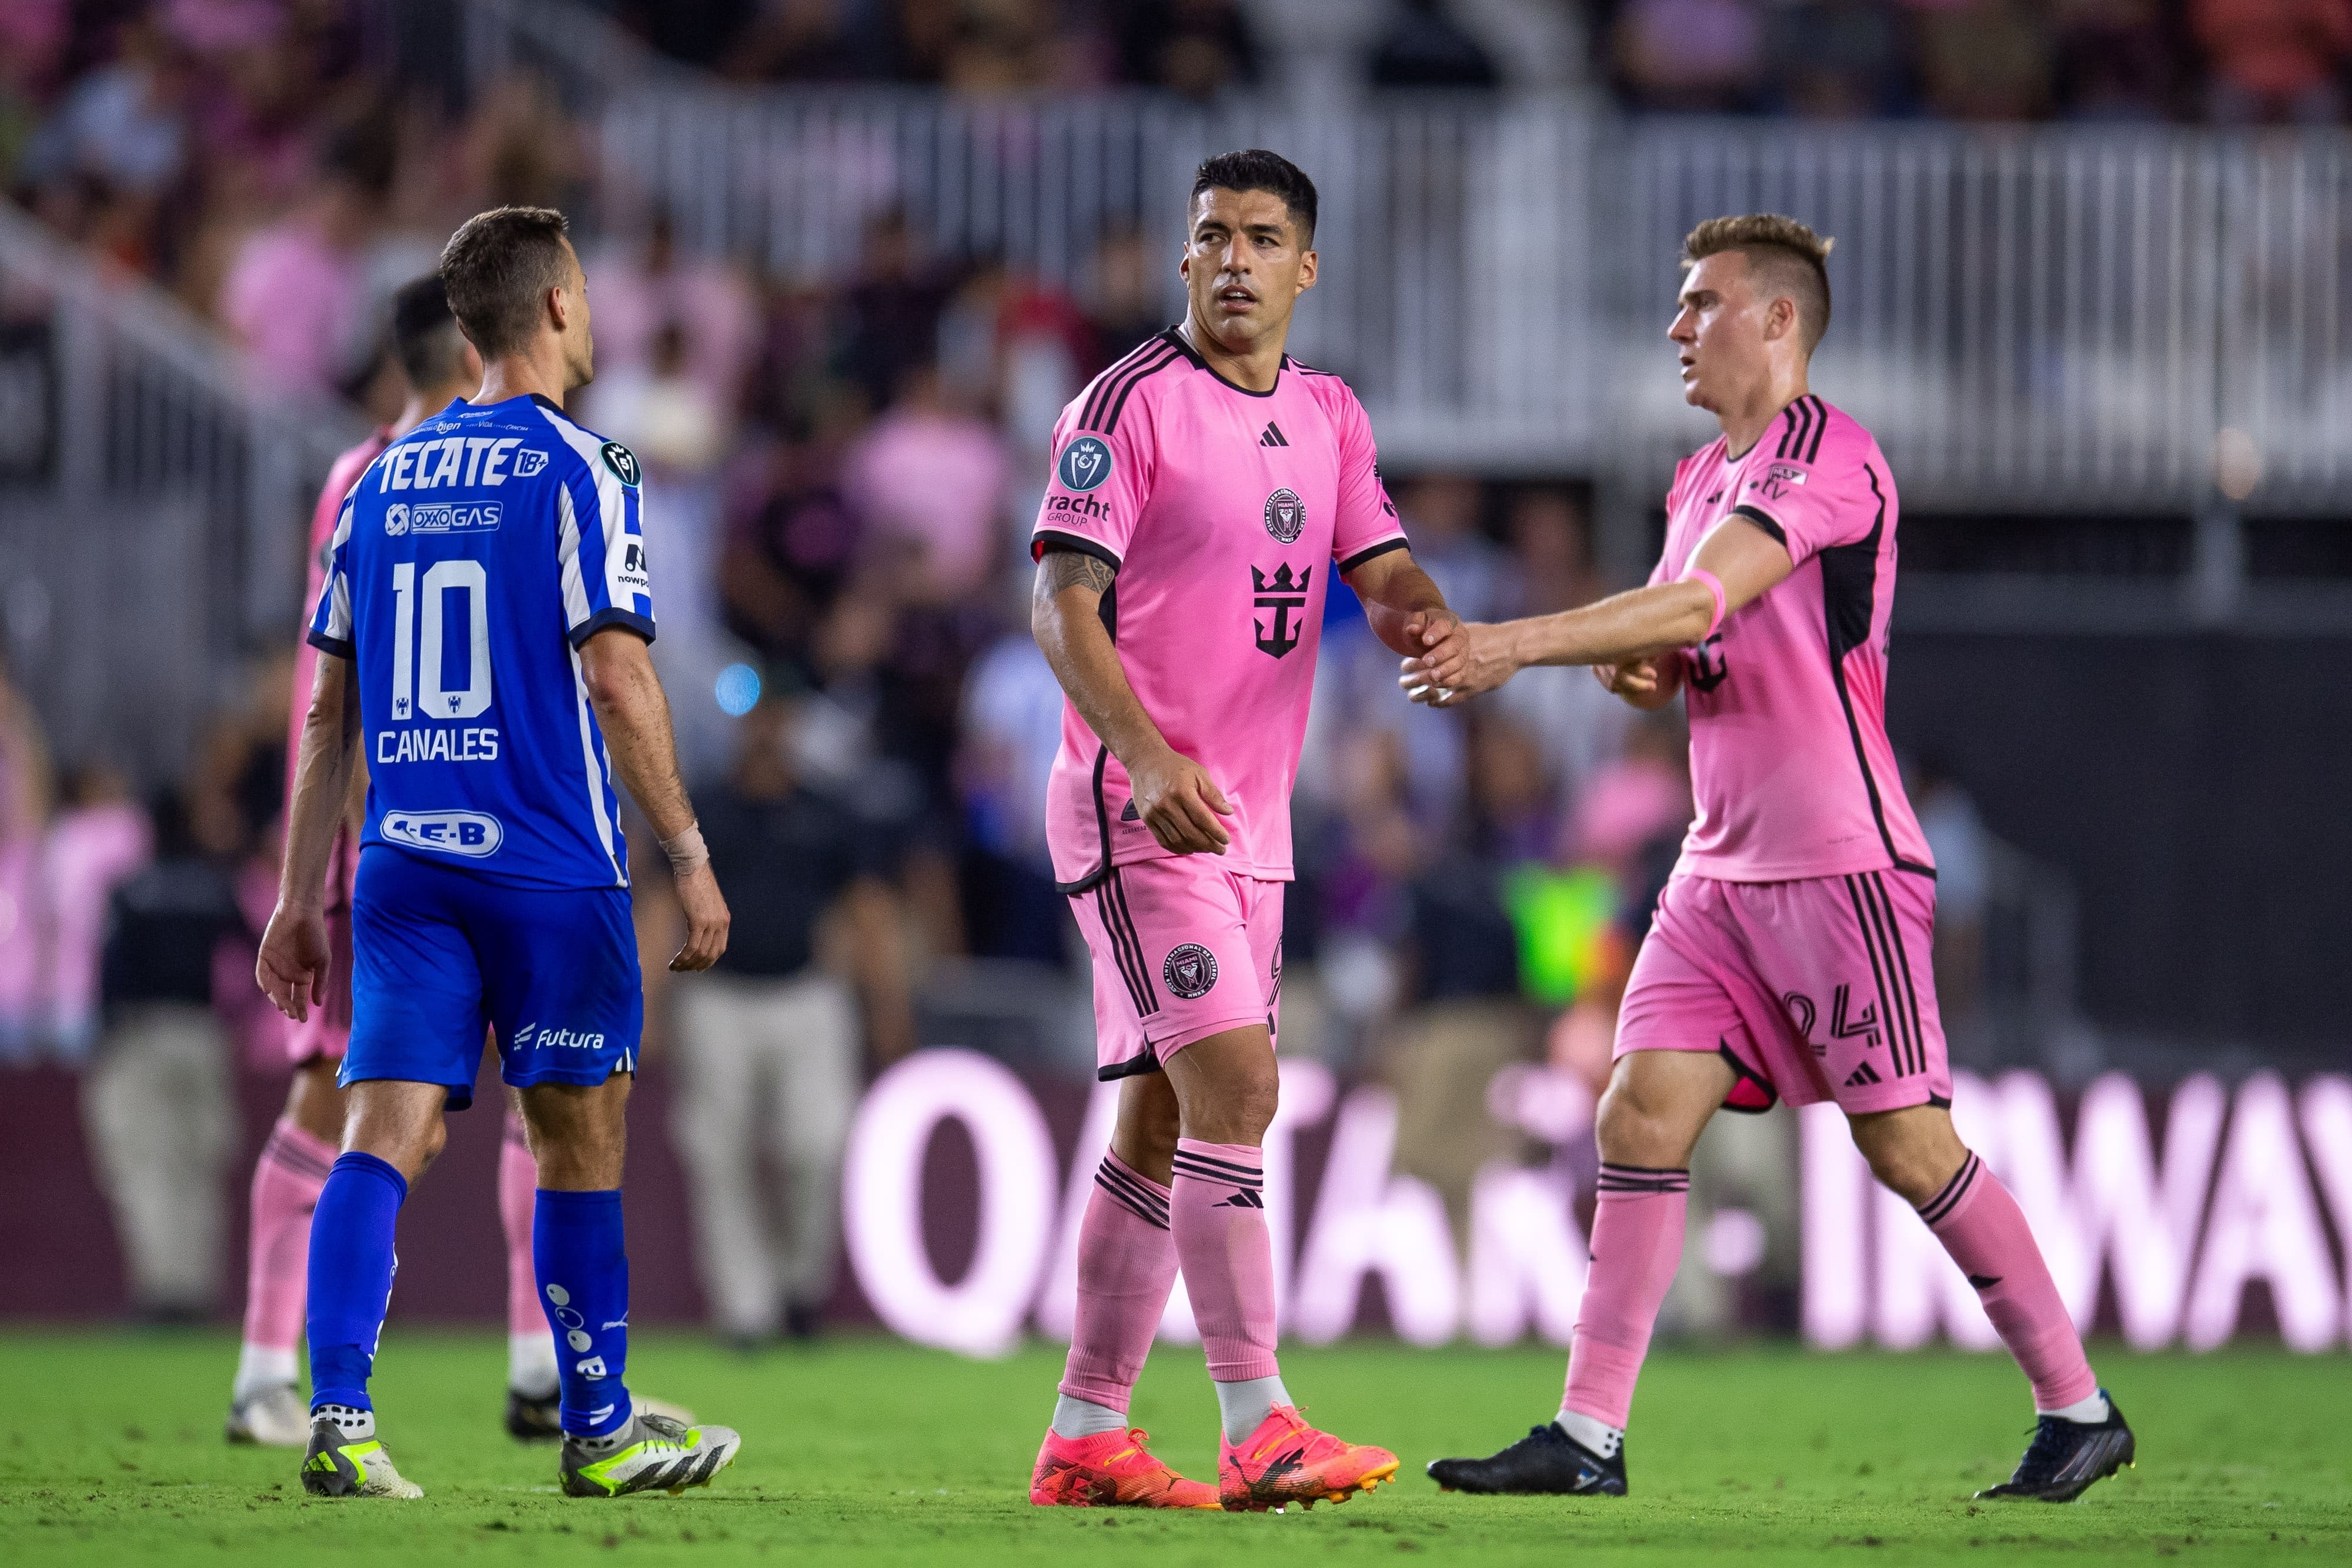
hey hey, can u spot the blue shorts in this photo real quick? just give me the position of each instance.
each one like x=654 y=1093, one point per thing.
x=438 y=954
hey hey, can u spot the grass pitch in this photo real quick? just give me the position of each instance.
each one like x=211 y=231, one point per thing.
x=865 y=1451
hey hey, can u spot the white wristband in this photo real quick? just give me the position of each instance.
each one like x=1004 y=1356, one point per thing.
x=686 y=852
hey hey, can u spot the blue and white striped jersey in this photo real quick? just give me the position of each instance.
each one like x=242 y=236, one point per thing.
x=471 y=560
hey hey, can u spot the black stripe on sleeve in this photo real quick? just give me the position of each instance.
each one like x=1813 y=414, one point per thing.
x=1372 y=552
x=612 y=617
x=1110 y=420
x=1762 y=519
x=1044 y=541
x=1103 y=382
x=1821 y=428
x=335 y=646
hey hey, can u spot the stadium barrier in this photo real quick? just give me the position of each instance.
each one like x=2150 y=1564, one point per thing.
x=2162 y=1249
x=2193 y=1216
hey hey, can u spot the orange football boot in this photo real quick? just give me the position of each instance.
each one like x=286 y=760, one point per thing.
x=1285 y=1461
x=1110 y=1469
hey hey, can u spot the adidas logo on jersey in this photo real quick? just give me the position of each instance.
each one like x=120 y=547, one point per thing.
x=1273 y=435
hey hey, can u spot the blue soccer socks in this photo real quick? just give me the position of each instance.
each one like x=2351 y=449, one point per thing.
x=583 y=1285
x=351 y=1263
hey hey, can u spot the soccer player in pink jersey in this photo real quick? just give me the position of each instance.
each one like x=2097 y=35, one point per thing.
x=439 y=366
x=1789 y=954
x=1205 y=490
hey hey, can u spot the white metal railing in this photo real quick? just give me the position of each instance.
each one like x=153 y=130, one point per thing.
x=154 y=512
x=2030 y=317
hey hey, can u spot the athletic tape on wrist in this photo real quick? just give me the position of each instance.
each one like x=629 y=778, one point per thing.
x=1707 y=580
x=686 y=852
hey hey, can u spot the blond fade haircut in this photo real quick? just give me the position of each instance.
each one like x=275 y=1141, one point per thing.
x=1789 y=260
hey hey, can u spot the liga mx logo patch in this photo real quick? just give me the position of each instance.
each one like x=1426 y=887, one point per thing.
x=621 y=461
x=396 y=518
x=1086 y=463
x=1191 y=970
x=1285 y=516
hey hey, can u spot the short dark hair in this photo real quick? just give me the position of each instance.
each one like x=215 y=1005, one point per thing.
x=1785 y=253
x=497 y=268
x=1256 y=169
x=424 y=337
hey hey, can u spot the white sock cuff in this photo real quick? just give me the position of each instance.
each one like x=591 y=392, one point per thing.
x=1085 y=1419
x=2090 y=1412
x=260 y=1366
x=1592 y=1432
x=1244 y=1405
x=530 y=1364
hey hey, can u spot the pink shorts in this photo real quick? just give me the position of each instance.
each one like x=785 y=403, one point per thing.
x=1182 y=949
x=1819 y=990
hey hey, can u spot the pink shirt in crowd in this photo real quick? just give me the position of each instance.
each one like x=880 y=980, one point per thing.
x=1225 y=513
x=1790 y=761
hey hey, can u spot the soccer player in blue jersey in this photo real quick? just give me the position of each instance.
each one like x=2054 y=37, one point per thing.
x=485 y=622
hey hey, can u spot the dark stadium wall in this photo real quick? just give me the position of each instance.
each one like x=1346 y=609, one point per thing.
x=2199 y=791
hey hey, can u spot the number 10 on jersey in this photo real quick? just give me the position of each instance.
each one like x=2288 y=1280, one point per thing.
x=417 y=671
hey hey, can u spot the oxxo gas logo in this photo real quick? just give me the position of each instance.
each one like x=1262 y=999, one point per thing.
x=470 y=834
x=1086 y=463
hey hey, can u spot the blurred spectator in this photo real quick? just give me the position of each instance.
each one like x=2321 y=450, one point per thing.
x=1195 y=48
x=1839 y=59
x=100 y=836
x=1689 y=56
x=124 y=123
x=26 y=786
x=2275 y=60
x=2114 y=60
x=802 y=41
x=1125 y=299
x=893 y=308
x=1012 y=724
x=767 y=1041
x=1441 y=511
x=1987 y=60
x=930 y=478
x=643 y=291
x=791 y=544
x=296 y=295
x=1425 y=47
x=1956 y=836
x=662 y=413
x=160 y=1119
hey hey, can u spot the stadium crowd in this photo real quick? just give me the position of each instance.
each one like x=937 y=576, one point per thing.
x=840 y=474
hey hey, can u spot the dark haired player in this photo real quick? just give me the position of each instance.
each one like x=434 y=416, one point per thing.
x=485 y=620
x=1205 y=490
x=1788 y=958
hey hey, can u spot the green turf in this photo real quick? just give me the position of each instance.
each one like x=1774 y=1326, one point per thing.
x=863 y=1451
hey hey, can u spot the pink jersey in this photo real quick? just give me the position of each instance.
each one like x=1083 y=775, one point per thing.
x=1790 y=760
x=1224 y=513
x=345 y=865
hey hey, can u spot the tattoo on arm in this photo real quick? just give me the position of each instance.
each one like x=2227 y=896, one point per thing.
x=1064 y=568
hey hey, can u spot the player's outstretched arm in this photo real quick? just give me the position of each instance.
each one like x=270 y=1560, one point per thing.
x=1742 y=560
x=294 y=959
x=1174 y=795
x=634 y=715
x=1404 y=607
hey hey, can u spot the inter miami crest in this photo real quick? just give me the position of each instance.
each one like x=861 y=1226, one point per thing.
x=1086 y=463
x=623 y=463
x=1285 y=516
x=1190 y=971
x=1285 y=595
